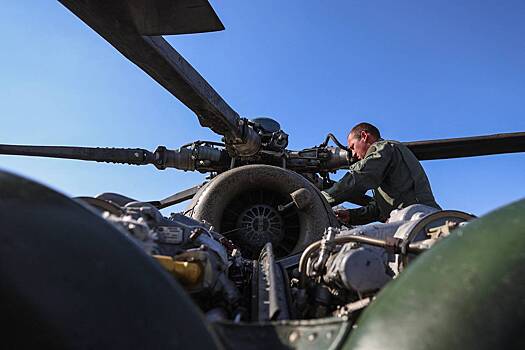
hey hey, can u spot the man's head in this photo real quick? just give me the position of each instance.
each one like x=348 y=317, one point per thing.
x=361 y=137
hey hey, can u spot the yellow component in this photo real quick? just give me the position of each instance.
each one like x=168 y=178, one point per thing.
x=186 y=272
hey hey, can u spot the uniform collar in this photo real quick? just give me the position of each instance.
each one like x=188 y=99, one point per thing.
x=372 y=145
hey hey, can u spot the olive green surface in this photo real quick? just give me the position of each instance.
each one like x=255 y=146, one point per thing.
x=468 y=292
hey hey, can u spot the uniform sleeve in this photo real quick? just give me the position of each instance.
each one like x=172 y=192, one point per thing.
x=364 y=215
x=367 y=174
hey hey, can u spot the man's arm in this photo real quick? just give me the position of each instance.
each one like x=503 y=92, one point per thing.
x=359 y=216
x=355 y=198
x=364 y=215
x=364 y=175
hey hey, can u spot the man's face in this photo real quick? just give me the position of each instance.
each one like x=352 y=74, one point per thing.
x=359 y=146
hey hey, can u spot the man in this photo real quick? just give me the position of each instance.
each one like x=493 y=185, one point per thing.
x=387 y=167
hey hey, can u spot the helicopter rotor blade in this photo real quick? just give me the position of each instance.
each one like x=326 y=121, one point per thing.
x=134 y=27
x=134 y=156
x=460 y=147
x=468 y=146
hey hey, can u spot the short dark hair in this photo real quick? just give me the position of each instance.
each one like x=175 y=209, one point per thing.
x=369 y=128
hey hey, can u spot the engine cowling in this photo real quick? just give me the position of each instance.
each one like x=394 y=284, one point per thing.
x=243 y=204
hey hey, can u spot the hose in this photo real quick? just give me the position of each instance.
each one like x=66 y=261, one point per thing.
x=332 y=137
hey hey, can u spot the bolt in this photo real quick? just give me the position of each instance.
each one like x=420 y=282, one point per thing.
x=312 y=337
x=196 y=233
x=284 y=207
x=293 y=337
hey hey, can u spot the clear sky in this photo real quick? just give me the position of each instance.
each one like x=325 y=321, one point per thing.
x=417 y=69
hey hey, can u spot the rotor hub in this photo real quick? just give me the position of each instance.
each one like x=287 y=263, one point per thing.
x=260 y=223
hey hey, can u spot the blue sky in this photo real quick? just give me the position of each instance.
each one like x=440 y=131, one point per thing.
x=418 y=70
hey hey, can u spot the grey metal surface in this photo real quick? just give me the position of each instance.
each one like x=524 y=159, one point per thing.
x=177 y=197
x=367 y=268
x=270 y=299
x=194 y=157
x=360 y=269
x=134 y=156
x=214 y=199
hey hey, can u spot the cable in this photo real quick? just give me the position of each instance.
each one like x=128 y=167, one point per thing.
x=332 y=137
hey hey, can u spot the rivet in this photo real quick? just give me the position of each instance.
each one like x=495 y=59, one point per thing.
x=293 y=337
x=312 y=336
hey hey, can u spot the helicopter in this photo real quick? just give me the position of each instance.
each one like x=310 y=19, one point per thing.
x=70 y=82
x=248 y=146
x=262 y=144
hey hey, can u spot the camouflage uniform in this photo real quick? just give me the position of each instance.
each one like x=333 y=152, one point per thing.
x=396 y=176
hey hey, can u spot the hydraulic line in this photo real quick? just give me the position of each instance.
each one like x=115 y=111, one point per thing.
x=411 y=248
